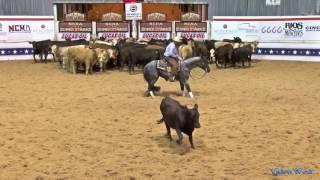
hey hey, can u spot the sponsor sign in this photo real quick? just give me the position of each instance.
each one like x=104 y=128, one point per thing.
x=112 y=27
x=75 y=26
x=155 y=27
x=289 y=38
x=273 y=2
x=17 y=29
x=74 y=30
x=113 y=30
x=133 y=11
x=113 y=35
x=191 y=27
x=155 y=30
x=193 y=35
x=155 y=35
x=195 y=30
x=74 y=36
x=271 y=29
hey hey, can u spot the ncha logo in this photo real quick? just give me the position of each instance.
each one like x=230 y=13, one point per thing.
x=19 y=28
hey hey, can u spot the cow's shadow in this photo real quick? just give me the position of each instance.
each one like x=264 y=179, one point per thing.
x=171 y=147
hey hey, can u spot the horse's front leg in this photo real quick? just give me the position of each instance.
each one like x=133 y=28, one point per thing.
x=189 y=90
x=182 y=88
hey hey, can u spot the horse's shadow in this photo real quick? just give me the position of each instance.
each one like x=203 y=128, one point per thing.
x=175 y=93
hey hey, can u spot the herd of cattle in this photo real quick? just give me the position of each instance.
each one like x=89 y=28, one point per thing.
x=100 y=54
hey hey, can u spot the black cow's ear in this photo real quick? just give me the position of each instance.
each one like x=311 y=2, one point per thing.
x=196 y=106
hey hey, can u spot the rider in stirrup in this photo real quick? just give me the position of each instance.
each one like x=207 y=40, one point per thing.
x=172 y=57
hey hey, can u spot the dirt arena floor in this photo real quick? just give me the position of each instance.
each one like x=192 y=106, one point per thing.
x=56 y=125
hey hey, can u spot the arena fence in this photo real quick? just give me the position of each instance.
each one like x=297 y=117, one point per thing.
x=280 y=38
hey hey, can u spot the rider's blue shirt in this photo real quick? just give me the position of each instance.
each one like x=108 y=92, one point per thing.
x=171 y=51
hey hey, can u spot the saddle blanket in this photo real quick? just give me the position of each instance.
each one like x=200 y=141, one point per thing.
x=163 y=65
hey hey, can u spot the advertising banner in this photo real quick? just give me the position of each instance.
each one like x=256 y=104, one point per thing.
x=74 y=30
x=155 y=30
x=195 y=30
x=18 y=29
x=133 y=11
x=267 y=29
x=289 y=38
x=113 y=30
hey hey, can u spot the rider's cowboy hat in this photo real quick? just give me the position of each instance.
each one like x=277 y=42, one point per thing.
x=177 y=39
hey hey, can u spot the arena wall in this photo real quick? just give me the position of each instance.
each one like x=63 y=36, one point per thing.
x=17 y=31
x=284 y=37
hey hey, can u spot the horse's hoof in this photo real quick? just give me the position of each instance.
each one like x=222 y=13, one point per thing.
x=146 y=94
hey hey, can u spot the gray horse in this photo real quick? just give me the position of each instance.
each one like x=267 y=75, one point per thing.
x=151 y=74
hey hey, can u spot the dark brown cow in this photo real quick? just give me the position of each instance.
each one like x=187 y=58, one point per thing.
x=179 y=118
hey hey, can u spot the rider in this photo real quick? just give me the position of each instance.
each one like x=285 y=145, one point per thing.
x=172 y=57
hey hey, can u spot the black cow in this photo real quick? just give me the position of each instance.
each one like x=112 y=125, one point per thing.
x=223 y=55
x=141 y=56
x=242 y=54
x=234 y=40
x=41 y=48
x=124 y=55
x=163 y=43
x=69 y=42
x=200 y=49
x=180 y=118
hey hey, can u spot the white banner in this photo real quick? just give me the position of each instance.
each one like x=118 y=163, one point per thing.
x=267 y=29
x=133 y=11
x=193 y=35
x=280 y=38
x=154 y=35
x=114 y=35
x=26 y=28
x=73 y=36
x=273 y=2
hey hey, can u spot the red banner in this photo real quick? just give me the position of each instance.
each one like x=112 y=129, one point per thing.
x=112 y=27
x=75 y=26
x=155 y=27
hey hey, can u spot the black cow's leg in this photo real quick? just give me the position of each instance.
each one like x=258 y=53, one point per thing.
x=41 y=57
x=191 y=140
x=45 y=57
x=54 y=57
x=249 y=61
x=179 y=133
x=168 y=131
x=34 y=58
